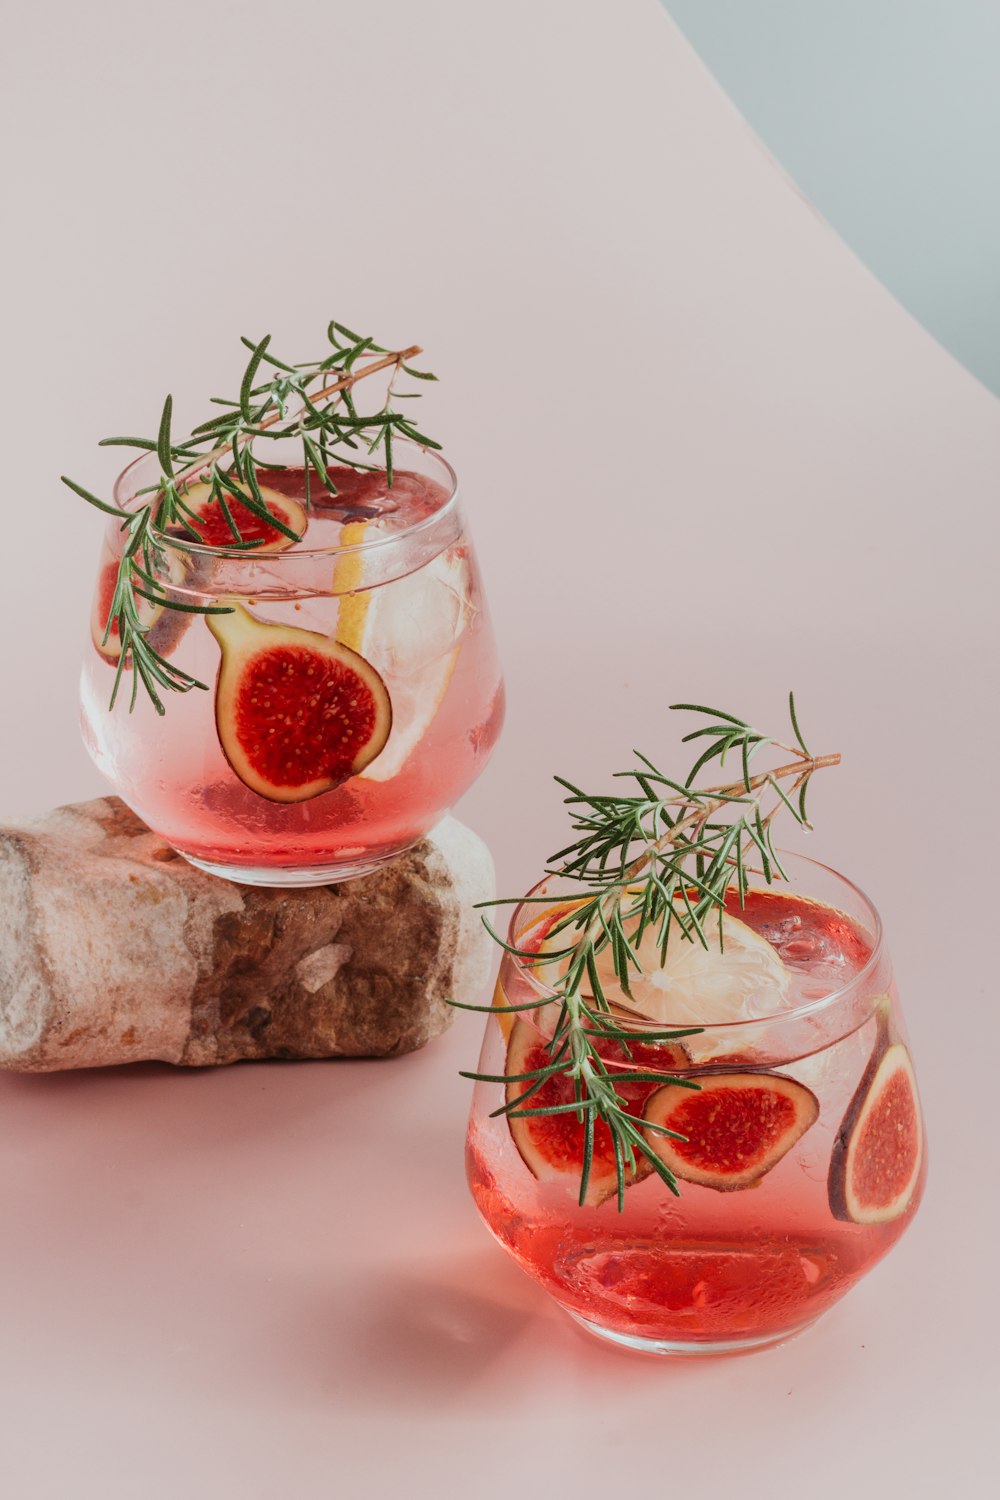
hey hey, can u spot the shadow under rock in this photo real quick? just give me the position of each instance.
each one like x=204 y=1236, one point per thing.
x=241 y=1101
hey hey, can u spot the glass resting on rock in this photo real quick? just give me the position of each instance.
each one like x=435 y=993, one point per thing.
x=354 y=690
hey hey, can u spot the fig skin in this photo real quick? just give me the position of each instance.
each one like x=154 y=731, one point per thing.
x=526 y=1040
x=662 y=1109
x=887 y=1062
x=246 y=643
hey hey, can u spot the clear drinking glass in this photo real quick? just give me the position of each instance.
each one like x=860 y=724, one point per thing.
x=248 y=779
x=804 y=1160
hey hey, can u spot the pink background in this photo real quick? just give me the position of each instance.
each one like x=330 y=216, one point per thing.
x=706 y=455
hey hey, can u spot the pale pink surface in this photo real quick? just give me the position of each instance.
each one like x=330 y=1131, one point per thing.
x=224 y=1284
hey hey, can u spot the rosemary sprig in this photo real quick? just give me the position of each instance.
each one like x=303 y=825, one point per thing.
x=660 y=858
x=312 y=402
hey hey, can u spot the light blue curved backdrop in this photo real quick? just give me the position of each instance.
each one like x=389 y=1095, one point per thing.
x=887 y=115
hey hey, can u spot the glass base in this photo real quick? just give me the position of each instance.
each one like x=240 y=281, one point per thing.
x=292 y=877
x=704 y=1347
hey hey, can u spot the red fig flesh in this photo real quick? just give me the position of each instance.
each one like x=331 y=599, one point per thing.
x=209 y=520
x=737 y=1126
x=296 y=712
x=877 y=1156
x=106 y=639
x=551 y=1146
x=164 y=626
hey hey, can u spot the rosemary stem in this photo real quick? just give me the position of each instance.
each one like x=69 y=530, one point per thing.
x=719 y=797
x=691 y=854
x=804 y=766
x=215 y=472
x=345 y=383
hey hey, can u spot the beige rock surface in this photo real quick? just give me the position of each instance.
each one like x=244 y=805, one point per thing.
x=113 y=949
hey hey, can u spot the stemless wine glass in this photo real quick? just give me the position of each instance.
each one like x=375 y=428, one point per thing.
x=353 y=689
x=802 y=1159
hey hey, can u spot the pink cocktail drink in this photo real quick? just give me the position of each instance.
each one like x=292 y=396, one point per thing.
x=239 y=778
x=803 y=1161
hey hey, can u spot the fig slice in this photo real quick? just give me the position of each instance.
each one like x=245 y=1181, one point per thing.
x=551 y=1146
x=297 y=713
x=879 y=1149
x=164 y=627
x=214 y=530
x=737 y=1126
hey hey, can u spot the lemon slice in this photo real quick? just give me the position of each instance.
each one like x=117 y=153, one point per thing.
x=411 y=630
x=697 y=986
x=348 y=576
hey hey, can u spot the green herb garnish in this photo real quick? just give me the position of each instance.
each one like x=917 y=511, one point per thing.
x=661 y=858
x=312 y=402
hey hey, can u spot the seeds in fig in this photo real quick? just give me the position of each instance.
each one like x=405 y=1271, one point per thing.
x=551 y=1146
x=878 y=1152
x=297 y=713
x=209 y=520
x=737 y=1126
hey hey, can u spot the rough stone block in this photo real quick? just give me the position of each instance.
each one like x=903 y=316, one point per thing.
x=113 y=949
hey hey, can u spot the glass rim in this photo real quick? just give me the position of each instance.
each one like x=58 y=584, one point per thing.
x=811 y=1008
x=242 y=554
